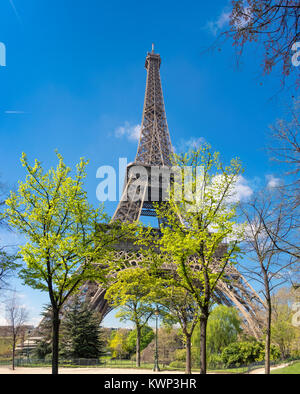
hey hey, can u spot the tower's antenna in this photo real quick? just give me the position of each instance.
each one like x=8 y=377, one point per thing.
x=152 y=48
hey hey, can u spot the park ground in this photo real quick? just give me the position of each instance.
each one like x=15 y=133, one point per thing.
x=281 y=369
x=82 y=371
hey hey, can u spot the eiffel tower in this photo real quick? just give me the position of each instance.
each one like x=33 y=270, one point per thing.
x=154 y=150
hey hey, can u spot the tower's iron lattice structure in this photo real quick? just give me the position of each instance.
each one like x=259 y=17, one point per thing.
x=155 y=149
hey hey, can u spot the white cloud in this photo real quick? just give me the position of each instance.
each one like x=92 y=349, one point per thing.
x=34 y=315
x=3 y=320
x=214 y=191
x=239 y=21
x=132 y=133
x=242 y=190
x=215 y=26
x=35 y=321
x=190 y=144
x=14 y=112
x=272 y=181
x=254 y=229
x=243 y=18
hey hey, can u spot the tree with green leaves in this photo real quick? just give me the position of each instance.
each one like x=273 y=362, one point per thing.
x=8 y=260
x=201 y=230
x=284 y=334
x=44 y=331
x=244 y=353
x=81 y=334
x=223 y=328
x=133 y=291
x=178 y=306
x=51 y=210
x=147 y=335
x=42 y=350
x=118 y=343
x=8 y=265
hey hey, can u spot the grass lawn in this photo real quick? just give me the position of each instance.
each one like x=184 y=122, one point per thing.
x=293 y=369
x=229 y=370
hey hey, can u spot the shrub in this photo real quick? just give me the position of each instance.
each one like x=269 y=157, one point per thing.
x=214 y=360
x=180 y=355
x=244 y=353
x=177 y=364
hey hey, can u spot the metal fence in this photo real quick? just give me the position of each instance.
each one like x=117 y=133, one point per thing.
x=128 y=363
x=79 y=362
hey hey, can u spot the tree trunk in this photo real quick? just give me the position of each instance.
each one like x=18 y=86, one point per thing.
x=268 y=338
x=55 y=341
x=138 y=346
x=13 y=353
x=203 y=326
x=268 y=323
x=188 y=364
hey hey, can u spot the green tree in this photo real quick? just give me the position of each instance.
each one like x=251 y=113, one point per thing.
x=134 y=293
x=147 y=335
x=51 y=210
x=223 y=328
x=201 y=226
x=179 y=306
x=8 y=265
x=81 y=334
x=42 y=350
x=118 y=343
x=8 y=260
x=244 y=353
x=284 y=334
x=44 y=331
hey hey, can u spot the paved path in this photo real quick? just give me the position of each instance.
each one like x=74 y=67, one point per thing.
x=77 y=371
x=261 y=371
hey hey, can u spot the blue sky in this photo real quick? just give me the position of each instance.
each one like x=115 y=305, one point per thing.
x=75 y=75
